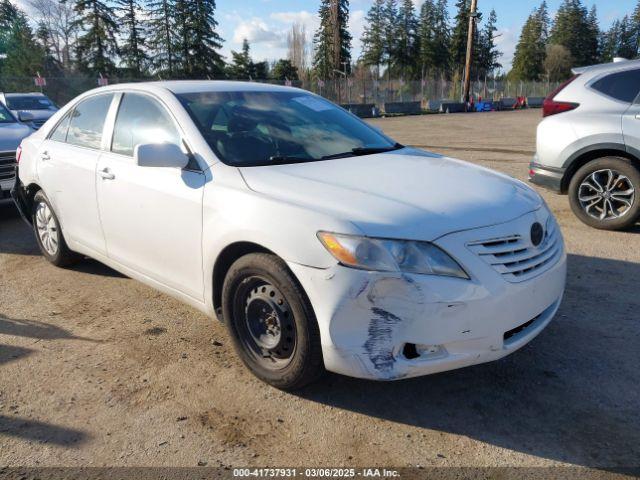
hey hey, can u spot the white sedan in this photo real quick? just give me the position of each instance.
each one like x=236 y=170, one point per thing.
x=320 y=242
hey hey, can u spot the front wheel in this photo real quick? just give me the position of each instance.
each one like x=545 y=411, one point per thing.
x=605 y=193
x=271 y=322
x=49 y=234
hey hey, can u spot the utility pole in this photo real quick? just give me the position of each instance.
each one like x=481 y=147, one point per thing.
x=467 y=69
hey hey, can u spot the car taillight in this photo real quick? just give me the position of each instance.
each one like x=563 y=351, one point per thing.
x=18 y=154
x=552 y=107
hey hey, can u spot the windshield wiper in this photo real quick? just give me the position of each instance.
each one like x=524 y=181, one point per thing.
x=358 y=151
x=285 y=159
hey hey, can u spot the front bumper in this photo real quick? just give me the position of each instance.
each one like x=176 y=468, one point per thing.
x=546 y=177
x=388 y=326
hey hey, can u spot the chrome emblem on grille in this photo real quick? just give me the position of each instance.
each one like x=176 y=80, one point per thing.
x=537 y=234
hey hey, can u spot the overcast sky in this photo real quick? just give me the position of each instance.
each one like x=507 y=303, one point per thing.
x=265 y=22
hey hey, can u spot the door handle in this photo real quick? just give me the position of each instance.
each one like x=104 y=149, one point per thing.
x=44 y=156
x=106 y=174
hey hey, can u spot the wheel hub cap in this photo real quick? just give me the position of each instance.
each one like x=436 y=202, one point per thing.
x=47 y=228
x=606 y=194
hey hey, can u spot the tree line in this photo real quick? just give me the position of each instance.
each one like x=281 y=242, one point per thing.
x=123 y=38
x=411 y=44
x=547 y=50
x=180 y=39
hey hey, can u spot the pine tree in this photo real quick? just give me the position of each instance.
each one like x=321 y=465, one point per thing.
x=8 y=17
x=487 y=52
x=260 y=70
x=323 y=43
x=406 y=40
x=240 y=67
x=161 y=37
x=528 y=61
x=206 y=43
x=132 y=51
x=545 y=21
x=460 y=34
x=390 y=22
x=373 y=39
x=442 y=36
x=182 y=45
x=284 y=69
x=592 y=39
x=96 y=48
x=344 y=35
x=572 y=30
x=626 y=43
x=426 y=35
x=609 y=42
x=24 y=56
x=434 y=37
x=332 y=42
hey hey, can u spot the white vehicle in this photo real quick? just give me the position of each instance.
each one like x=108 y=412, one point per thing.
x=319 y=242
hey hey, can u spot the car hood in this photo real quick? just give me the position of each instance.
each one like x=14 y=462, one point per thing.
x=11 y=134
x=406 y=194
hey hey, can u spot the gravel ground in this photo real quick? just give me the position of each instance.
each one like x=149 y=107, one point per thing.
x=97 y=369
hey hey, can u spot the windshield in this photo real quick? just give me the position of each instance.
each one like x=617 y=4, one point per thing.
x=5 y=115
x=268 y=128
x=28 y=102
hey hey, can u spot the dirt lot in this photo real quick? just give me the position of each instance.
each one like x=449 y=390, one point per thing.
x=97 y=369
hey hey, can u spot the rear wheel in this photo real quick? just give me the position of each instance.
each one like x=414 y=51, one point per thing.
x=271 y=322
x=605 y=193
x=48 y=233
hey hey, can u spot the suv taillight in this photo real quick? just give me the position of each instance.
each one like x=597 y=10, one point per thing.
x=18 y=154
x=552 y=107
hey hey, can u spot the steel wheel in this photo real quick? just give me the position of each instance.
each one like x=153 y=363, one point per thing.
x=47 y=228
x=267 y=328
x=606 y=194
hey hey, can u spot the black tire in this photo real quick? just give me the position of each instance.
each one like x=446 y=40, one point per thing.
x=599 y=169
x=62 y=256
x=260 y=293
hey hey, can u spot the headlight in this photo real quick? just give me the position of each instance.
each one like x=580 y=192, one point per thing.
x=391 y=255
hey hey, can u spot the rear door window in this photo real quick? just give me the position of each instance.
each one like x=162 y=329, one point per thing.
x=623 y=86
x=87 y=122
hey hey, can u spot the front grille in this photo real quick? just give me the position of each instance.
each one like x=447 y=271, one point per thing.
x=515 y=258
x=7 y=165
x=39 y=123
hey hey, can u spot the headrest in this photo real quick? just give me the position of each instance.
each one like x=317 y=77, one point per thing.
x=242 y=120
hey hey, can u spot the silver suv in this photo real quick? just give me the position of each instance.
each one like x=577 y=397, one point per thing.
x=589 y=144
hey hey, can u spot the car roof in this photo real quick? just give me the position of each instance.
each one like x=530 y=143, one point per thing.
x=199 y=86
x=24 y=94
x=605 y=67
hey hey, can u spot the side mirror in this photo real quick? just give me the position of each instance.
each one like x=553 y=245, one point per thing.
x=160 y=155
x=25 y=116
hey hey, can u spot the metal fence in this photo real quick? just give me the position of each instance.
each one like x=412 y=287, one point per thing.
x=378 y=92
x=352 y=90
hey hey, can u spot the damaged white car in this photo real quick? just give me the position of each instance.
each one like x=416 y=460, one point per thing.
x=319 y=242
